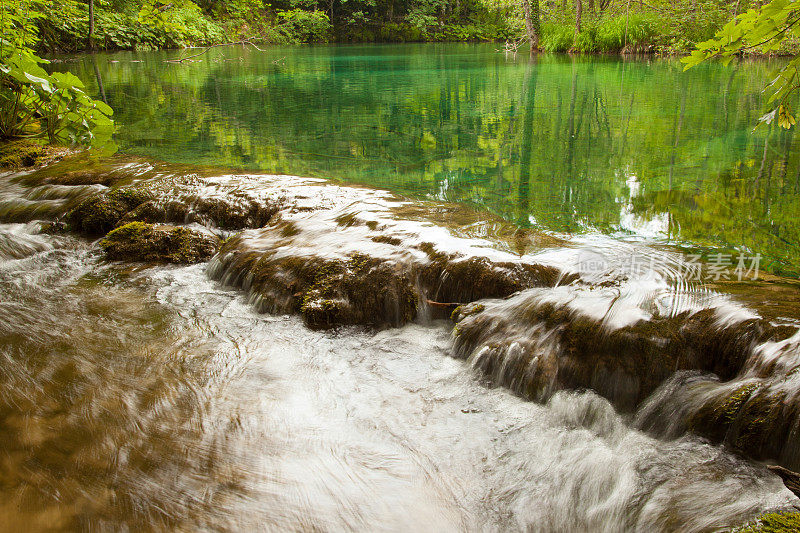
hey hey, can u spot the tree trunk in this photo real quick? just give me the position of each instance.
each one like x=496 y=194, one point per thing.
x=90 y=37
x=532 y=23
x=578 y=13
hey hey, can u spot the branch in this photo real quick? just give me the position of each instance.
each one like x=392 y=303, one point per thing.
x=207 y=48
x=765 y=41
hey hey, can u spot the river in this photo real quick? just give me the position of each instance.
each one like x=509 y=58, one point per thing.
x=577 y=392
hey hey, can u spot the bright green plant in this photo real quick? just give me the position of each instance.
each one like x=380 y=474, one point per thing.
x=34 y=103
x=305 y=26
x=557 y=37
x=765 y=29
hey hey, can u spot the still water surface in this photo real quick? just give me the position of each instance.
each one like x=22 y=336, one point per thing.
x=635 y=148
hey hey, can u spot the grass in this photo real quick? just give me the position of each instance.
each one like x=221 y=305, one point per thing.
x=636 y=33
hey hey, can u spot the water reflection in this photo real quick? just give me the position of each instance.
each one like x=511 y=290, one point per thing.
x=552 y=143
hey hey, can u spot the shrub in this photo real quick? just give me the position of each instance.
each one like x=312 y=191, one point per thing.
x=34 y=103
x=557 y=37
x=305 y=26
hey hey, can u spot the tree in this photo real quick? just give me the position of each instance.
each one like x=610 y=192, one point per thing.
x=532 y=24
x=90 y=36
x=764 y=28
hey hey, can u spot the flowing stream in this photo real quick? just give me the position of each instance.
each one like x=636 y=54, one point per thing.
x=488 y=321
x=154 y=397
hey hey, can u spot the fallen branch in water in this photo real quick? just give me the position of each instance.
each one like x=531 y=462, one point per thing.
x=244 y=42
x=790 y=479
x=443 y=305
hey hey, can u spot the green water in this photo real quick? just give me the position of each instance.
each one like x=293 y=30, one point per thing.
x=634 y=148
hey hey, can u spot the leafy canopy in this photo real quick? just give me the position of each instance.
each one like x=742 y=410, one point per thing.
x=765 y=28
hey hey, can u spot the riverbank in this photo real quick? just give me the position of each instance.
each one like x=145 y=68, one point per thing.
x=669 y=30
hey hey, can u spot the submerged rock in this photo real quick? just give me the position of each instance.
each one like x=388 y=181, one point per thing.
x=732 y=386
x=790 y=479
x=362 y=267
x=100 y=214
x=536 y=346
x=138 y=241
x=758 y=417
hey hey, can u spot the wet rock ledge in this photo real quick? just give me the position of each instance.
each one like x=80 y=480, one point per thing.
x=336 y=255
x=678 y=358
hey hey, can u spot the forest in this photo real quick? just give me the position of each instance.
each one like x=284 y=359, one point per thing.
x=588 y=26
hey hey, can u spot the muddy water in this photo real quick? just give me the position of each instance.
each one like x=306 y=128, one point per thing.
x=152 y=397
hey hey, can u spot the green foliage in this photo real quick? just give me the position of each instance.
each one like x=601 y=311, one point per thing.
x=181 y=25
x=765 y=29
x=557 y=37
x=34 y=103
x=305 y=26
x=611 y=34
x=633 y=33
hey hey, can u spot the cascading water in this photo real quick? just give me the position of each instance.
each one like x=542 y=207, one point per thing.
x=140 y=396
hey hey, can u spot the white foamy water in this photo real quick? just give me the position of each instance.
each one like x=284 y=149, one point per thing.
x=154 y=398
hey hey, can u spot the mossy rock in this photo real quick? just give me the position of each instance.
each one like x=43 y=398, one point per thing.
x=150 y=212
x=773 y=523
x=624 y=365
x=466 y=280
x=139 y=241
x=361 y=290
x=226 y=213
x=233 y=212
x=20 y=154
x=100 y=214
x=753 y=419
x=327 y=292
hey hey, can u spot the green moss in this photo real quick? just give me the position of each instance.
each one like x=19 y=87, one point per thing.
x=139 y=241
x=730 y=409
x=759 y=417
x=234 y=212
x=773 y=523
x=100 y=214
x=146 y=212
x=54 y=228
x=19 y=154
x=463 y=311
